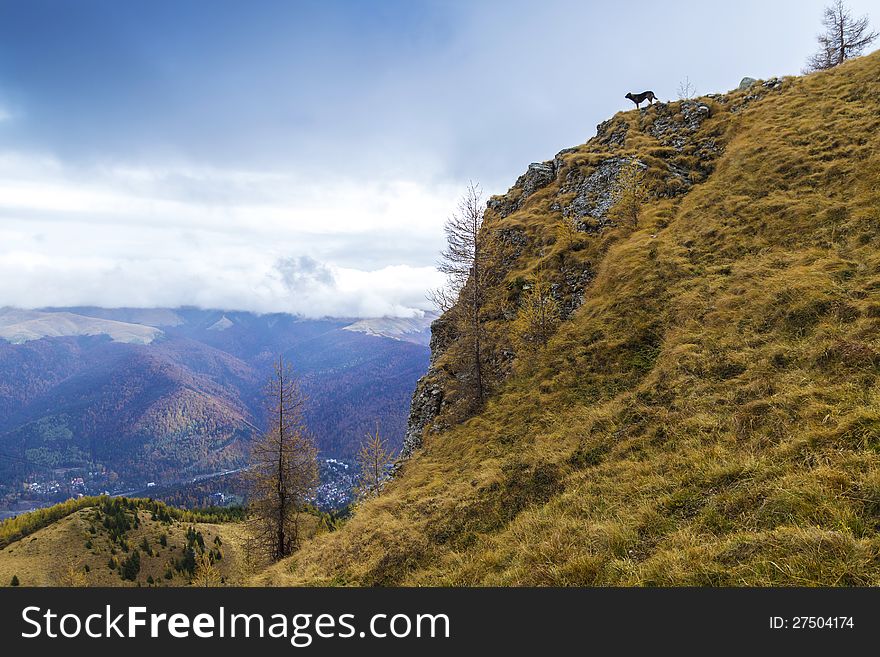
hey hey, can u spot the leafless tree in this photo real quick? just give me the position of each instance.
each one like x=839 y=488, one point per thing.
x=464 y=262
x=686 y=89
x=372 y=459
x=844 y=37
x=284 y=470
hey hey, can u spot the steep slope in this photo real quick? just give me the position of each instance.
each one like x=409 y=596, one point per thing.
x=707 y=412
x=135 y=411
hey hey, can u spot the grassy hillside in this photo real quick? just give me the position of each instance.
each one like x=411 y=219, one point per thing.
x=92 y=542
x=710 y=412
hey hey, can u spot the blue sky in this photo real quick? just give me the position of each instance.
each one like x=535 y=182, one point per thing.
x=168 y=153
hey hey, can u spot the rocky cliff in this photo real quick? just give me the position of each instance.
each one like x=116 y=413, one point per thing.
x=706 y=412
x=676 y=144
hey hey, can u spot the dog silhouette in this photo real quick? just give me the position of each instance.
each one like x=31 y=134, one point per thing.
x=638 y=98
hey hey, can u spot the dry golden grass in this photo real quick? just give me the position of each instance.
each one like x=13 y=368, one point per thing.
x=57 y=555
x=711 y=414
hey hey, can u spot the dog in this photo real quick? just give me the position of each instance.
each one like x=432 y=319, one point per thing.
x=638 y=98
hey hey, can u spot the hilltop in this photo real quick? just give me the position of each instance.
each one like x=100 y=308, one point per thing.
x=103 y=541
x=123 y=542
x=706 y=412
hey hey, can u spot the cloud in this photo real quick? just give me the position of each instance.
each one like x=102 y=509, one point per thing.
x=248 y=240
x=303 y=156
x=304 y=273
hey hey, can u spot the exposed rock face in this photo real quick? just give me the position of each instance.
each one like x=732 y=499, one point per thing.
x=442 y=335
x=745 y=83
x=514 y=240
x=583 y=181
x=674 y=129
x=593 y=197
x=427 y=401
x=538 y=176
x=612 y=132
x=570 y=294
x=757 y=92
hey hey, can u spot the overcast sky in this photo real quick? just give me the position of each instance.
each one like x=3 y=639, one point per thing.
x=302 y=156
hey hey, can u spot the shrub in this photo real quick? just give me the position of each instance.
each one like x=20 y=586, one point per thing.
x=131 y=567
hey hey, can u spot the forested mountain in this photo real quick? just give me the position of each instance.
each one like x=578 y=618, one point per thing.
x=83 y=393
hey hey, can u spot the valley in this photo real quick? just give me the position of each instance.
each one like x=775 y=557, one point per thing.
x=138 y=401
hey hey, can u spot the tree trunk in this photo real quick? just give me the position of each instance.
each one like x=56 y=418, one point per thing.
x=280 y=548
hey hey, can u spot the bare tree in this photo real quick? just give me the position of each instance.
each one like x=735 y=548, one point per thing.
x=464 y=262
x=249 y=560
x=686 y=90
x=372 y=459
x=284 y=470
x=844 y=37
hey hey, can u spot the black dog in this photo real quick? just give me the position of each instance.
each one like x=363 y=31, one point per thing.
x=645 y=95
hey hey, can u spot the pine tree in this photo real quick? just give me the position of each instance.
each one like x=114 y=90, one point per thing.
x=372 y=460
x=567 y=230
x=284 y=472
x=14 y=581
x=73 y=576
x=206 y=573
x=249 y=562
x=131 y=566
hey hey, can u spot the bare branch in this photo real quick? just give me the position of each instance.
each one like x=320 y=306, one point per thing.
x=464 y=261
x=284 y=470
x=845 y=37
x=686 y=90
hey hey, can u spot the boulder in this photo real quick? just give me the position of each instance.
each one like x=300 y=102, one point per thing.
x=745 y=83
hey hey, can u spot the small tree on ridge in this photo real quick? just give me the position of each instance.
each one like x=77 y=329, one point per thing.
x=844 y=37
x=464 y=261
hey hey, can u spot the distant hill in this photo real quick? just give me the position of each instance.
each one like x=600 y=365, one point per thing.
x=121 y=542
x=122 y=398
x=19 y=326
x=414 y=329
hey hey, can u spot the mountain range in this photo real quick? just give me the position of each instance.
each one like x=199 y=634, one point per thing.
x=126 y=397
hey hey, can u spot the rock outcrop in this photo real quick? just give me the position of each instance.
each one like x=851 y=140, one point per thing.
x=575 y=189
